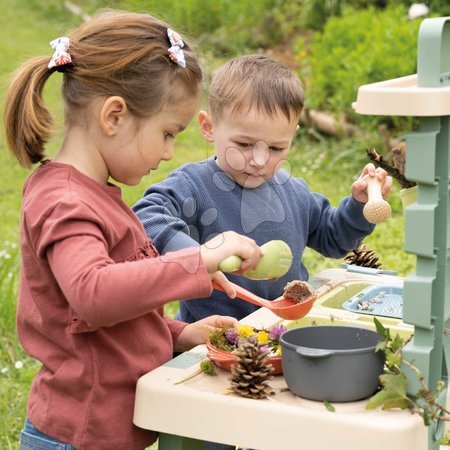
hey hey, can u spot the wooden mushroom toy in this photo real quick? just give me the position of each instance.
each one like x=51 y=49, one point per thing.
x=376 y=210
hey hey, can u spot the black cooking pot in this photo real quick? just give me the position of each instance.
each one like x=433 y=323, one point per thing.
x=331 y=362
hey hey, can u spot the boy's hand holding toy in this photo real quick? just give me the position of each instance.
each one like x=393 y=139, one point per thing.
x=371 y=188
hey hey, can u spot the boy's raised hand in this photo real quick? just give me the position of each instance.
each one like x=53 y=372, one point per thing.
x=228 y=244
x=359 y=187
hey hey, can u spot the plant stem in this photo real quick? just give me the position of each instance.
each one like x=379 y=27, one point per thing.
x=199 y=371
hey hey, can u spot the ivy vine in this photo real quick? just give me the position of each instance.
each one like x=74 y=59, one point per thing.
x=394 y=382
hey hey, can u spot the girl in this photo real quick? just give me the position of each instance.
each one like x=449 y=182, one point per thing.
x=92 y=285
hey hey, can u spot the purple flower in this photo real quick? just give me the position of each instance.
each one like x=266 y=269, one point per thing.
x=232 y=334
x=264 y=349
x=276 y=332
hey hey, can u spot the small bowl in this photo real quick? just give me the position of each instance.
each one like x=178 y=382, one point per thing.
x=226 y=360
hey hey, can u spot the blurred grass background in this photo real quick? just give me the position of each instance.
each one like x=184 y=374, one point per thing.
x=323 y=41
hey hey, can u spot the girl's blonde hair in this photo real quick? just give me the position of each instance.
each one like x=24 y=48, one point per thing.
x=115 y=53
x=255 y=81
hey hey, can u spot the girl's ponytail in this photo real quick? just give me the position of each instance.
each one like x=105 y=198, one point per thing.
x=28 y=123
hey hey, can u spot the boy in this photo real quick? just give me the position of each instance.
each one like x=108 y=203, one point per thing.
x=254 y=109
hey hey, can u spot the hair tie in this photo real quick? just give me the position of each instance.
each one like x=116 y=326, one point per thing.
x=176 y=53
x=61 y=55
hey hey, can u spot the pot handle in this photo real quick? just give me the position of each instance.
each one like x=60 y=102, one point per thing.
x=313 y=352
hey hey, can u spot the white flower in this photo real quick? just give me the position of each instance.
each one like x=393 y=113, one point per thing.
x=18 y=364
x=4 y=370
x=4 y=254
x=418 y=10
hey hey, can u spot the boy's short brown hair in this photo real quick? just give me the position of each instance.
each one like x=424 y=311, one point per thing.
x=255 y=80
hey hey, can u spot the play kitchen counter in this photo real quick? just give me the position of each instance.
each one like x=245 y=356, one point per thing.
x=198 y=409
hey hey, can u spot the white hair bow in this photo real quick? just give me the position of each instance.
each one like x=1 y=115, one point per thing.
x=175 y=52
x=61 y=55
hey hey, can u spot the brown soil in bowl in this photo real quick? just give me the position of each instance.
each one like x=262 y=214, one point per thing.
x=298 y=291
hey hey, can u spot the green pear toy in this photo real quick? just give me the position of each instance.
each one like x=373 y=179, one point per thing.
x=275 y=262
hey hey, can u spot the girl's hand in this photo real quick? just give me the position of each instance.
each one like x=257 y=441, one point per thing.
x=359 y=187
x=227 y=244
x=196 y=333
x=221 y=279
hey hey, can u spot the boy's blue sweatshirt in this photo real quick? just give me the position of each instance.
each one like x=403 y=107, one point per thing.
x=199 y=200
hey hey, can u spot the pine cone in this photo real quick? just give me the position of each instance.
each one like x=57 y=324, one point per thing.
x=398 y=160
x=364 y=257
x=250 y=375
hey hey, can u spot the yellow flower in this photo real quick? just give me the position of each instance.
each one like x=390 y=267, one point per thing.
x=278 y=350
x=263 y=337
x=245 y=330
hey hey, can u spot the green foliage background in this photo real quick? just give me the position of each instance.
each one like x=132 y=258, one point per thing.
x=335 y=48
x=381 y=45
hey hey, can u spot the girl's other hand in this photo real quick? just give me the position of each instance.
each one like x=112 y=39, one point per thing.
x=221 y=279
x=196 y=333
x=227 y=244
x=359 y=187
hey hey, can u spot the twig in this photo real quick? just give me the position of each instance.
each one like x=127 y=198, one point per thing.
x=74 y=9
x=429 y=397
x=328 y=124
x=377 y=158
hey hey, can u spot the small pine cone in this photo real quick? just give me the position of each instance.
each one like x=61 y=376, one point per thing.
x=250 y=375
x=364 y=257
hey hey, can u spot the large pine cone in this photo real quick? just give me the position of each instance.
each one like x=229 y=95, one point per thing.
x=250 y=375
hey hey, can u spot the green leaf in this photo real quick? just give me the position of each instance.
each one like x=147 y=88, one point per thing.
x=446 y=438
x=426 y=418
x=329 y=406
x=381 y=330
x=397 y=343
x=381 y=346
x=440 y=386
x=393 y=394
x=393 y=359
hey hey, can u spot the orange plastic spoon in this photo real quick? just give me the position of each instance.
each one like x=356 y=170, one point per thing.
x=282 y=307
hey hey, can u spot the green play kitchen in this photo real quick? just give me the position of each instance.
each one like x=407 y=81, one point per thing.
x=324 y=366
